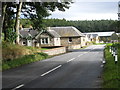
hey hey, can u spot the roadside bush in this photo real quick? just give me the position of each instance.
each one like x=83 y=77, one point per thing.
x=11 y=51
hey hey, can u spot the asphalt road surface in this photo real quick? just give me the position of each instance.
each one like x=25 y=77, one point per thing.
x=77 y=69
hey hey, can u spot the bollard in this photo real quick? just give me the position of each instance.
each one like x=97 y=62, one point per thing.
x=110 y=48
x=116 y=59
x=116 y=56
x=104 y=62
x=114 y=51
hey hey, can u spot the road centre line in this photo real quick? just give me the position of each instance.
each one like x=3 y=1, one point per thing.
x=18 y=87
x=50 y=70
x=70 y=59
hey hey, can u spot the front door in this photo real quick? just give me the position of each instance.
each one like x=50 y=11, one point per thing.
x=29 y=42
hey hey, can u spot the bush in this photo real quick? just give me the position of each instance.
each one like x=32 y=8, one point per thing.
x=11 y=35
x=11 y=51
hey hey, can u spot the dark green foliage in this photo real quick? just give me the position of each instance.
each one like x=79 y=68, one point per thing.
x=41 y=11
x=85 y=26
x=11 y=35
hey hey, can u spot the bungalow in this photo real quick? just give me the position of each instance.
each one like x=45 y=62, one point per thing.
x=54 y=36
x=69 y=36
x=63 y=36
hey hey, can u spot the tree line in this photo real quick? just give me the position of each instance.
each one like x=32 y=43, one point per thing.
x=86 y=25
x=83 y=26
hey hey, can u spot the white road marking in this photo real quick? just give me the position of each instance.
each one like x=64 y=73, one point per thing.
x=70 y=59
x=18 y=87
x=80 y=55
x=51 y=70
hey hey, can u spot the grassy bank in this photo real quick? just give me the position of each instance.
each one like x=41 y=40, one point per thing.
x=111 y=73
x=16 y=55
x=23 y=60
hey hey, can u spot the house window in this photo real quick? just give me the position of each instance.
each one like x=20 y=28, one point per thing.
x=44 y=40
x=24 y=43
x=70 y=39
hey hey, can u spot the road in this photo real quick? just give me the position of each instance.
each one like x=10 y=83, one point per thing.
x=77 y=69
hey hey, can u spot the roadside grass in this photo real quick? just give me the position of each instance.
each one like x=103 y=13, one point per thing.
x=103 y=43
x=111 y=72
x=23 y=60
x=12 y=51
x=35 y=48
x=17 y=55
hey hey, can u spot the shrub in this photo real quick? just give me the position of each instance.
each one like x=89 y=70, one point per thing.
x=11 y=51
x=11 y=35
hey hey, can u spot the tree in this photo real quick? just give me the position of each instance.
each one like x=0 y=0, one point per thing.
x=7 y=17
x=37 y=11
x=17 y=22
x=4 y=5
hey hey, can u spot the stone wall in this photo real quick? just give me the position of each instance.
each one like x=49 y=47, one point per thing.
x=78 y=46
x=65 y=41
x=55 y=51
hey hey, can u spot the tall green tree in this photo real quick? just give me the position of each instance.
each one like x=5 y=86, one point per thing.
x=37 y=11
x=17 y=21
x=7 y=17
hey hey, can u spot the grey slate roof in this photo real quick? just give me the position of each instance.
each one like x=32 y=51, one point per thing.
x=102 y=34
x=53 y=33
x=67 y=31
x=28 y=32
x=94 y=35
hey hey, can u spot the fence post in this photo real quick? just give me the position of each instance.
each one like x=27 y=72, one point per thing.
x=114 y=49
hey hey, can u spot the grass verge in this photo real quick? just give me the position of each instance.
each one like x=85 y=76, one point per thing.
x=111 y=72
x=23 y=60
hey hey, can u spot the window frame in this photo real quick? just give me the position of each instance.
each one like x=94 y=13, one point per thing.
x=44 y=40
x=70 y=40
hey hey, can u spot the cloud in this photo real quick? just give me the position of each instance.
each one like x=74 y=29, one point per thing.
x=90 y=10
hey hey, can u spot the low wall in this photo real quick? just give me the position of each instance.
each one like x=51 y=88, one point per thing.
x=74 y=46
x=55 y=51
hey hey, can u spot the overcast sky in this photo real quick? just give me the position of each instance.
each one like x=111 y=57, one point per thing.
x=92 y=10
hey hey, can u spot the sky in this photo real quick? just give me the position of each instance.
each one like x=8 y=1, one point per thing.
x=89 y=10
